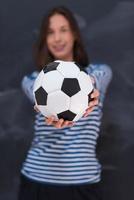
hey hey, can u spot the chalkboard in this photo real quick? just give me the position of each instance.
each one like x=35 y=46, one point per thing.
x=108 y=30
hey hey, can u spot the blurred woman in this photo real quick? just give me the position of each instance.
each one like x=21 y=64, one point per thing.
x=61 y=162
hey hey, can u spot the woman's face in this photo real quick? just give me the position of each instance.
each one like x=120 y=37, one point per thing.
x=60 y=38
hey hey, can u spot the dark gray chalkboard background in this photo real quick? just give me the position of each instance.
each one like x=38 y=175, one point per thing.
x=108 y=30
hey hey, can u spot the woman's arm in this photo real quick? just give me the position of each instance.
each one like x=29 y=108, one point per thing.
x=102 y=75
x=27 y=85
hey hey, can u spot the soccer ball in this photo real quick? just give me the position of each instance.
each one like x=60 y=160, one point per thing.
x=63 y=90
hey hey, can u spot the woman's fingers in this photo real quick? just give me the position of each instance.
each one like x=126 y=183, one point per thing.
x=36 y=109
x=49 y=120
x=95 y=98
x=63 y=123
x=68 y=123
x=93 y=102
x=88 y=111
x=95 y=94
x=59 y=123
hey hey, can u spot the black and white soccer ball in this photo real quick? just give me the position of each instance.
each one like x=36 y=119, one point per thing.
x=63 y=90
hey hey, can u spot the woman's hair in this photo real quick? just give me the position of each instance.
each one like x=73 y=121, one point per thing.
x=42 y=54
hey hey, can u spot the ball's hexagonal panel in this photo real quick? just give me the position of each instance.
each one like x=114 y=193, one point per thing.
x=57 y=102
x=67 y=115
x=52 y=81
x=41 y=96
x=68 y=69
x=70 y=86
x=78 y=102
x=38 y=81
x=85 y=82
x=50 y=67
x=44 y=111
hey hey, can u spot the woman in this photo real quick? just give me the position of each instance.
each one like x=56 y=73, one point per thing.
x=62 y=162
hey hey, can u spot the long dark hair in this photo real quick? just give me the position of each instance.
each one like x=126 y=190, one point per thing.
x=42 y=54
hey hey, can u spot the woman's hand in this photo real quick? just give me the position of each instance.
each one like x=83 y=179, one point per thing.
x=95 y=96
x=61 y=123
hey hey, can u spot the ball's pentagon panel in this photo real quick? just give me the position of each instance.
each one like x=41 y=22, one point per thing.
x=66 y=115
x=50 y=67
x=68 y=69
x=58 y=102
x=80 y=67
x=85 y=82
x=52 y=81
x=70 y=86
x=41 y=96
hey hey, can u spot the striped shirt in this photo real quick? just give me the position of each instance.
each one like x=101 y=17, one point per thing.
x=67 y=156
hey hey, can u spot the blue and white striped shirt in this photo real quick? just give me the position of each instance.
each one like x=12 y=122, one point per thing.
x=67 y=156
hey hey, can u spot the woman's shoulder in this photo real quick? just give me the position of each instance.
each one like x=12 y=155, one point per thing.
x=27 y=84
x=29 y=79
x=99 y=69
x=32 y=75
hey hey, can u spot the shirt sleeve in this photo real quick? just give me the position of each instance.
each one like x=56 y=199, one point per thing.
x=102 y=75
x=27 y=85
